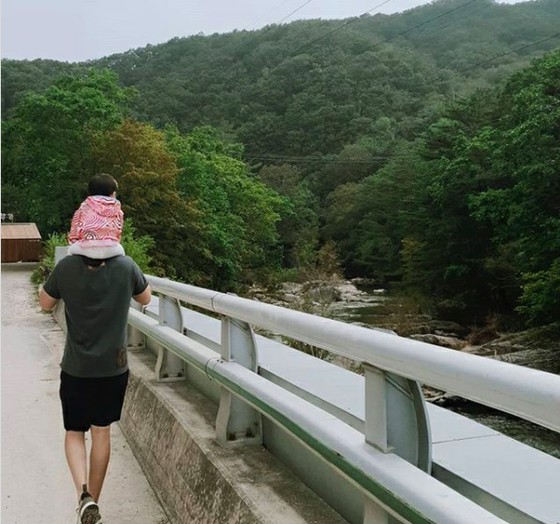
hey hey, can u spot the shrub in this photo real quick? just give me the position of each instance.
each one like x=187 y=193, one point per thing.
x=46 y=265
x=540 y=301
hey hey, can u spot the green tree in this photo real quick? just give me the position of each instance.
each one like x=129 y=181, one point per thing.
x=47 y=146
x=340 y=218
x=239 y=212
x=522 y=205
x=299 y=224
x=368 y=219
x=487 y=237
x=137 y=156
x=456 y=246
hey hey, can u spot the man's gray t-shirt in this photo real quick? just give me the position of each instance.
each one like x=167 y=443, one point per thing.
x=96 y=302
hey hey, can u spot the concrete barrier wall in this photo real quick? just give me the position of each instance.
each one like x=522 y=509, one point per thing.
x=170 y=428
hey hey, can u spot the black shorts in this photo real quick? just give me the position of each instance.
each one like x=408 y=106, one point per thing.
x=90 y=402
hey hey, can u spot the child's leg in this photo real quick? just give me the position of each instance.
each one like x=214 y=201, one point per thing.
x=96 y=252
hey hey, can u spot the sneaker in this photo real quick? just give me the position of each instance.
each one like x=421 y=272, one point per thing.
x=88 y=510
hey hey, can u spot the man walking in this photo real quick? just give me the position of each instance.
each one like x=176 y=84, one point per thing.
x=94 y=368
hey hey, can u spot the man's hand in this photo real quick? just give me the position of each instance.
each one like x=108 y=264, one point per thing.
x=46 y=302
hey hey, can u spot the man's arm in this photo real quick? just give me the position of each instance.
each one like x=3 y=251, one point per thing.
x=144 y=297
x=46 y=302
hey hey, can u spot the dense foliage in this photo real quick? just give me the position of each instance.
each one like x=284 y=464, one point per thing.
x=422 y=145
x=204 y=217
x=469 y=213
x=305 y=88
x=47 y=146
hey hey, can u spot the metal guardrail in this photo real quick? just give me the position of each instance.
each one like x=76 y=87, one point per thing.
x=391 y=485
x=530 y=394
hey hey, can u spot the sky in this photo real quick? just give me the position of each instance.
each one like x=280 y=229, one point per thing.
x=78 y=30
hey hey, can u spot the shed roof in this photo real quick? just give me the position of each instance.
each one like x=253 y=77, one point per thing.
x=20 y=231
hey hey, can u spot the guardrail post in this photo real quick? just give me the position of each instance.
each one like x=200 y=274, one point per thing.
x=396 y=421
x=169 y=367
x=376 y=408
x=375 y=431
x=237 y=422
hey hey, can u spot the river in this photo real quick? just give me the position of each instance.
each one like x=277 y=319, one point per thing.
x=377 y=309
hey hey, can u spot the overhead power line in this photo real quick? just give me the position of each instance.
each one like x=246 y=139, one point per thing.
x=445 y=26
x=350 y=21
x=377 y=44
x=500 y=55
x=274 y=24
x=294 y=11
x=295 y=159
x=268 y=156
x=281 y=4
x=344 y=24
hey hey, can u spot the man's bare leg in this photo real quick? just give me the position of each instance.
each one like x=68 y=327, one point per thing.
x=98 y=459
x=75 y=450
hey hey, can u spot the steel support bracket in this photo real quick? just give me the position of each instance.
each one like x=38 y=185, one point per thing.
x=376 y=408
x=396 y=418
x=238 y=423
x=169 y=367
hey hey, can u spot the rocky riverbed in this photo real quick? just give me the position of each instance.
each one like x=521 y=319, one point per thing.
x=349 y=302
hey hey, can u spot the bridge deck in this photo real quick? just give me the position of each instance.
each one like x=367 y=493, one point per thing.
x=36 y=483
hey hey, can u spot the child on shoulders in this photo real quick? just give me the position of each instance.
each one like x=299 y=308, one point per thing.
x=97 y=224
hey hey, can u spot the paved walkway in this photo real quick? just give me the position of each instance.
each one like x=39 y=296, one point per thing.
x=36 y=484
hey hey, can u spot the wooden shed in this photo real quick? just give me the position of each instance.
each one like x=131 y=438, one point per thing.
x=21 y=243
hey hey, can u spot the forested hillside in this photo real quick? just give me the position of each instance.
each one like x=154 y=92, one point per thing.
x=315 y=86
x=422 y=145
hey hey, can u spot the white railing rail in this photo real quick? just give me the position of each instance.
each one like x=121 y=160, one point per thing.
x=391 y=485
x=530 y=394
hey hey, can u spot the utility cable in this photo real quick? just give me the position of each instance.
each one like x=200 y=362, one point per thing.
x=423 y=23
x=281 y=4
x=352 y=20
x=472 y=13
x=499 y=55
x=344 y=24
x=324 y=159
x=266 y=156
x=294 y=11
x=272 y=25
x=291 y=158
